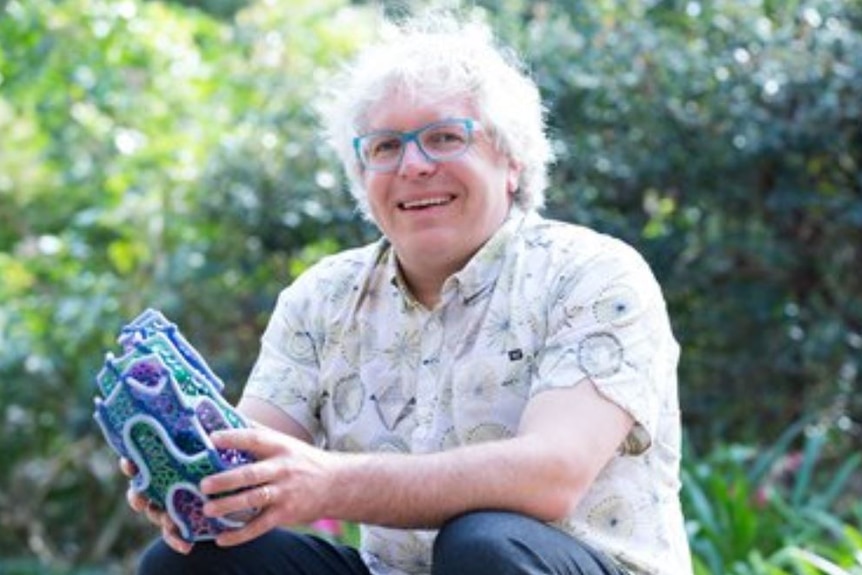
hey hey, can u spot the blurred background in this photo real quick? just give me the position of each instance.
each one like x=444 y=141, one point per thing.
x=166 y=154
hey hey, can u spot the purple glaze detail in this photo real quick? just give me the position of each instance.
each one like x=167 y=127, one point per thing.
x=161 y=376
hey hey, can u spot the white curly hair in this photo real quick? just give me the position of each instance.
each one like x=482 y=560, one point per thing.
x=436 y=54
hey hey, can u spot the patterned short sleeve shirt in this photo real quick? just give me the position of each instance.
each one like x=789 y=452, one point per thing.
x=351 y=356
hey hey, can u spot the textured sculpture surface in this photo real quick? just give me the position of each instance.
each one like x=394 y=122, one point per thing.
x=159 y=403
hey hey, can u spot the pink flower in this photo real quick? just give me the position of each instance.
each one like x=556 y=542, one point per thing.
x=329 y=526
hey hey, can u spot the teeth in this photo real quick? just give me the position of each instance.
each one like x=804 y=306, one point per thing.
x=425 y=203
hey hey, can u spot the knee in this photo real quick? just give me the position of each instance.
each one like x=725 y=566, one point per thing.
x=159 y=559
x=502 y=543
x=473 y=543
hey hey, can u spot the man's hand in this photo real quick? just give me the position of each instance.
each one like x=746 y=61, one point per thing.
x=287 y=483
x=566 y=438
x=156 y=516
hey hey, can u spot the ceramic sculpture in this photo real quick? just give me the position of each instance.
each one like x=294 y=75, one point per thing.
x=159 y=403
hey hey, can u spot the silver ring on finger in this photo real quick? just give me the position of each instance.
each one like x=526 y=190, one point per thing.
x=265 y=495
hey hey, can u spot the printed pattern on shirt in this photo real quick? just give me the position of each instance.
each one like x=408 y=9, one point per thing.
x=352 y=357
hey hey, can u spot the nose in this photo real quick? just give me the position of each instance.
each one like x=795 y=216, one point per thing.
x=414 y=162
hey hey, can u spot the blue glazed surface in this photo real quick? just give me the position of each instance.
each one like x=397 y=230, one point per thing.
x=157 y=404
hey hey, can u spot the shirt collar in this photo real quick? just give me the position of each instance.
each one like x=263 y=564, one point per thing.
x=478 y=276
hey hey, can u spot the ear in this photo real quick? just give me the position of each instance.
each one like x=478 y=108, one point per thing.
x=513 y=177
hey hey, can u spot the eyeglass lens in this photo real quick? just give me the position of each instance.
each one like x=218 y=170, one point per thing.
x=437 y=141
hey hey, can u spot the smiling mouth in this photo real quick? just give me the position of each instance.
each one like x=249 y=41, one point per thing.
x=425 y=203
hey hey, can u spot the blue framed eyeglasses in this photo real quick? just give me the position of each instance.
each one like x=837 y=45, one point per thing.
x=382 y=151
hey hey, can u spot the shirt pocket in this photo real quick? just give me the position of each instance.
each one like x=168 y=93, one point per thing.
x=489 y=393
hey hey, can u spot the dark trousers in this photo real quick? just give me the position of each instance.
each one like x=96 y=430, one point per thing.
x=495 y=543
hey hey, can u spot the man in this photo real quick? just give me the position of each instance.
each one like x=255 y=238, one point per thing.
x=483 y=390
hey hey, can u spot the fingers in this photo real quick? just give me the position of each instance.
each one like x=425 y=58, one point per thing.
x=170 y=531
x=240 y=478
x=140 y=504
x=127 y=467
x=261 y=442
x=171 y=536
x=260 y=498
x=155 y=515
x=159 y=518
x=267 y=520
x=150 y=510
x=136 y=501
x=261 y=486
x=265 y=496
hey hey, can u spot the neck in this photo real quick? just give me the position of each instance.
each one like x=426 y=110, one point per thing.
x=425 y=280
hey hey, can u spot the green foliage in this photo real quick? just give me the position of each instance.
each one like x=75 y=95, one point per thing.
x=156 y=156
x=166 y=154
x=224 y=9
x=778 y=511
x=722 y=138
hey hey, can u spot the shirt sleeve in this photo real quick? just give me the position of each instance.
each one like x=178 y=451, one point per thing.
x=607 y=323
x=286 y=372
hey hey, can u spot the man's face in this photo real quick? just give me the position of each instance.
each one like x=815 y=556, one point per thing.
x=438 y=213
